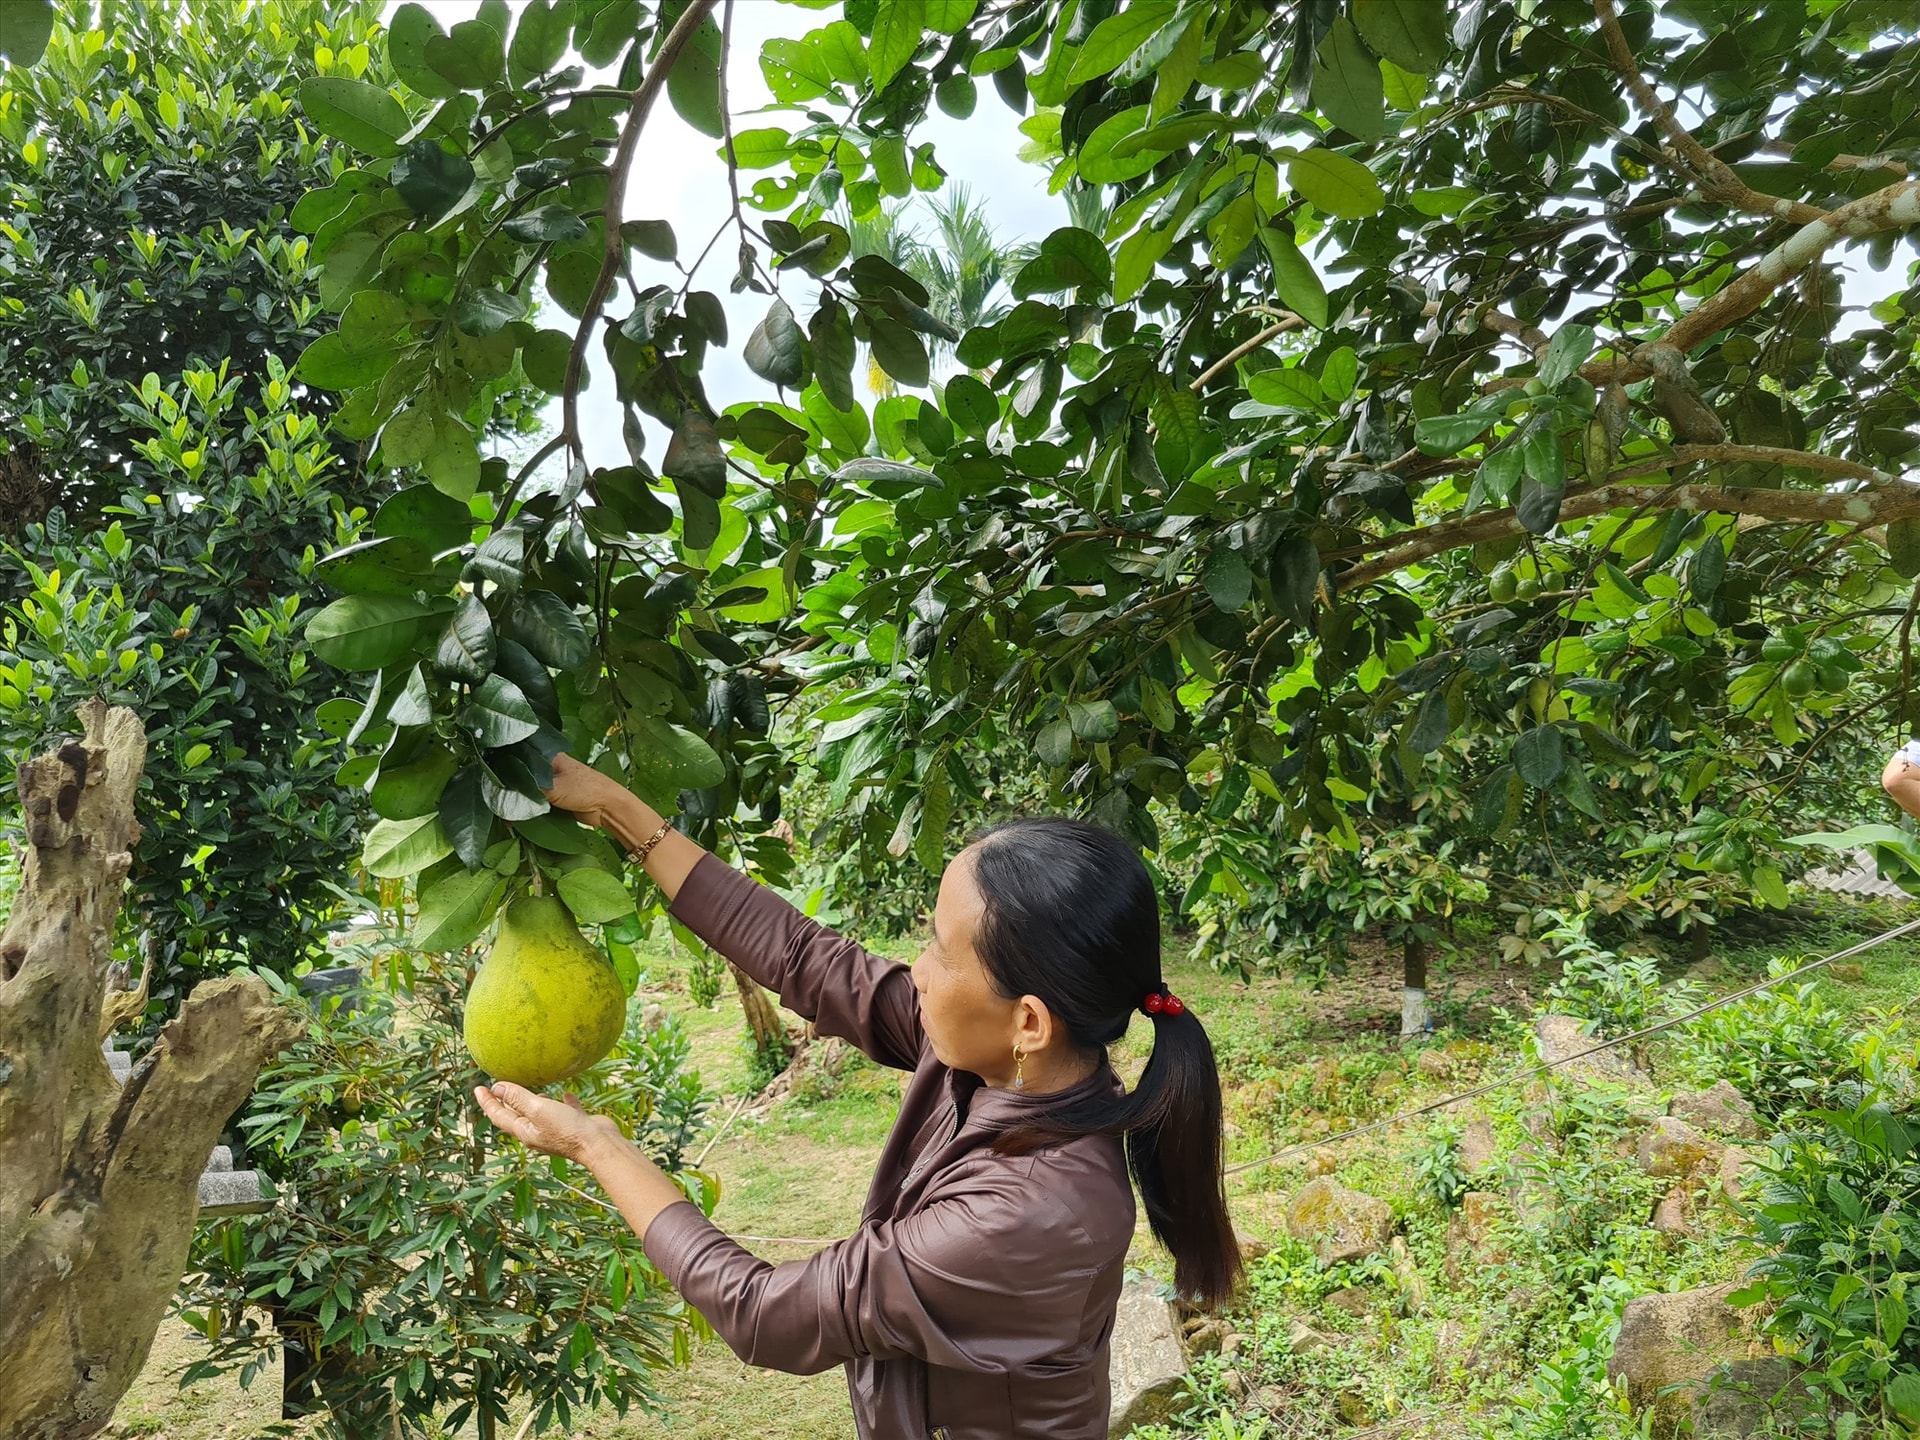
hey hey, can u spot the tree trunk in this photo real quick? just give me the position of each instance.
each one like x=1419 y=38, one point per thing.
x=98 y=1181
x=1415 y=1018
x=763 y=1017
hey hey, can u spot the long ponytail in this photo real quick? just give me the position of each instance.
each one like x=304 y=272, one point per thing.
x=1072 y=918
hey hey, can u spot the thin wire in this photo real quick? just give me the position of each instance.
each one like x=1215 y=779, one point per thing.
x=1531 y=1071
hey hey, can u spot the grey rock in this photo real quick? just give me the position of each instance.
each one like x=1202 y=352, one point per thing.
x=1147 y=1368
x=118 y=1061
x=1559 y=1039
x=1303 y=1339
x=220 y=1159
x=232 y=1192
x=1672 y=1147
x=1670 y=1215
x=1343 y=1224
x=1477 y=1146
x=1674 y=1340
x=1720 y=1109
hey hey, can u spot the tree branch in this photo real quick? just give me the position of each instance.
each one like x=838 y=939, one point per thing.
x=1888 y=500
x=1713 y=177
x=1245 y=347
x=611 y=213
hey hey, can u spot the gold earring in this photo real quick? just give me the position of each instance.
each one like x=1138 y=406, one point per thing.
x=1019 y=1064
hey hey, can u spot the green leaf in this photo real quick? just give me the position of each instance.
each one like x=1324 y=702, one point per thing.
x=407 y=35
x=464 y=817
x=1117 y=37
x=776 y=350
x=1903 y=1393
x=510 y=789
x=652 y=238
x=1156 y=703
x=406 y=792
x=895 y=38
x=454 y=466
x=430 y=178
x=1541 y=452
x=901 y=353
x=455 y=910
x=1093 y=720
x=594 y=897
x=548 y=626
x=1228 y=580
x=544 y=359
x=1709 y=567
x=1054 y=744
x=1335 y=184
x=1299 y=284
x=870 y=468
x=395 y=849
x=1097 y=161
x=466 y=649
x=330 y=364
x=498 y=714
x=834 y=353
x=1540 y=755
x=366 y=632
x=694 y=455
x=971 y=405
x=672 y=757
x=1903 y=547
x=25 y=28
x=1340 y=373
x=548 y=224
x=1431 y=724
x=1069 y=259
x=422 y=513
x=1287 y=386
x=1450 y=434
x=539 y=40
x=469 y=57
x=1565 y=353
x=487 y=312
x=362 y=115
x=1346 y=83
x=1539 y=506
x=1410 y=33
x=694 y=83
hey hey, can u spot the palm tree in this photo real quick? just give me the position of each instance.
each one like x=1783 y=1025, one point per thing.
x=960 y=261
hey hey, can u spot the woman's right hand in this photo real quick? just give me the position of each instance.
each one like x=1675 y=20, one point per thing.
x=584 y=791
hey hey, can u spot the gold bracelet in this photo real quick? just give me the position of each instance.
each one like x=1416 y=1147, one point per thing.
x=645 y=848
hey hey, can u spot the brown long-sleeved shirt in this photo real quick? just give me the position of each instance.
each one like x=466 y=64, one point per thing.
x=977 y=1298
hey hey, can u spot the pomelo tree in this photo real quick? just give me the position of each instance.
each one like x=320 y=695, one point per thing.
x=1445 y=390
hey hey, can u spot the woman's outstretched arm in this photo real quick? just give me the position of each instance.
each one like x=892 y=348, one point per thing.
x=606 y=804
x=819 y=975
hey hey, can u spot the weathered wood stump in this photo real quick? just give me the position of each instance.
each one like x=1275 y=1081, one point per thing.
x=98 y=1179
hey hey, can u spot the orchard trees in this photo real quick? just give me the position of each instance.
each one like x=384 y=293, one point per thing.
x=1444 y=388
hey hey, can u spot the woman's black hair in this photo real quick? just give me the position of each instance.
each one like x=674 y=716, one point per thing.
x=1071 y=917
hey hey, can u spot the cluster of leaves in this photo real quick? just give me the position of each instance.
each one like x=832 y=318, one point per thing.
x=1836 y=1217
x=432 y=1273
x=186 y=607
x=164 y=485
x=1196 y=520
x=1785 y=1049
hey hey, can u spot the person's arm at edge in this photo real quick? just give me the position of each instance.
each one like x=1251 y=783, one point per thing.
x=605 y=803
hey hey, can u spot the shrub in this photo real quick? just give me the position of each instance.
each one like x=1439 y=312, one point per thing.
x=1614 y=994
x=1783 y=1048
x=432 y=1270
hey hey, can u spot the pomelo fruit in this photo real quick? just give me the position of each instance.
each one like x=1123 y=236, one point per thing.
x=546 y=1003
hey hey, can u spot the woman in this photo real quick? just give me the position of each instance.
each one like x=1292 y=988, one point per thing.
x=1901 y=778
x=977 y=1297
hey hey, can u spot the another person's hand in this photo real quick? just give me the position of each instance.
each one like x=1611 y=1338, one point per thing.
x=584 y=791
x=546 y=1125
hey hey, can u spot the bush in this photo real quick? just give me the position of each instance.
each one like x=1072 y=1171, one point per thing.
x=433 y=1271
x=1839 y=1218
x=1784 y=1048
x=1613 y=994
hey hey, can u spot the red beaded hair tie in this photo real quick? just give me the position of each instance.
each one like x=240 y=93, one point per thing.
x=1163 y=1002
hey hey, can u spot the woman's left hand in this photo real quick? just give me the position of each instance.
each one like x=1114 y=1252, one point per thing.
x=545 y=1125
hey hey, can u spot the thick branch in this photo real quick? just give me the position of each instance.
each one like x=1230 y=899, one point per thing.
x=1711 y=175
x=613 y=211
x=1877 y=506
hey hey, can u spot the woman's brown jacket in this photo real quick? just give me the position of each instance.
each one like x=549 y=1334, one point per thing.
x=976 y=1300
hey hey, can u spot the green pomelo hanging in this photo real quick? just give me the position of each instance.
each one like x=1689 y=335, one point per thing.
x=546 y=1003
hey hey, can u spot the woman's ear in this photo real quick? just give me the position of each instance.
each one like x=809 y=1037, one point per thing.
x=1033 y=1024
